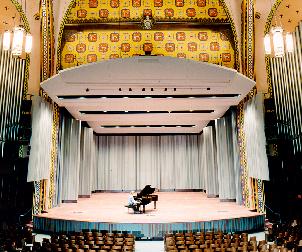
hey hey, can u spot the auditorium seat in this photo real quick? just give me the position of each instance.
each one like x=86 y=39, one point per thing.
x=99 y=243
x=106 y=247
x=128 y=248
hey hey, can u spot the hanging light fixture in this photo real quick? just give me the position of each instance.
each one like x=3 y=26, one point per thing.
x=6 y=40
x=18 y=34
x=17 y=40
x=279 y=40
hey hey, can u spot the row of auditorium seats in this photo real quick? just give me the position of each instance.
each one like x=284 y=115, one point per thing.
x=285 y=235
x=20 y=238
x=219 y=242
x=87 y=242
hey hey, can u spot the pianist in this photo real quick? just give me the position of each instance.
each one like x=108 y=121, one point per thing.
x=133 y=202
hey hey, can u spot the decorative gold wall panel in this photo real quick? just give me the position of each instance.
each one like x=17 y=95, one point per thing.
x=96 y=45
x=129 y=10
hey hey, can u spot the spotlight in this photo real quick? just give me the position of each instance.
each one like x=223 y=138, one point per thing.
x=174 y=89
x=143 y=89
x=208 y=88
x=87 y=89
x=151 y=89
x=130 y=89
x=119 y=89
x=166 y=89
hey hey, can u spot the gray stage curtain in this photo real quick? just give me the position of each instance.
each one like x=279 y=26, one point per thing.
x=41 y=140
x=228 y=158
x=209 y=156
x=202 y=162
x=87 y=157
x=70 y=158
x=131 y=162
x=237 y=171
x=255 y=141
x=148 y=161
x=94 y=162
x=116 y=163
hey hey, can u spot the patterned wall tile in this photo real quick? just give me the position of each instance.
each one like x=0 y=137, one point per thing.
x=115 y=10
x=97 y=45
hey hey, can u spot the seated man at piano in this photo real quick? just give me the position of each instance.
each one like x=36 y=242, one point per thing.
x=146 y=196
x=133 y=202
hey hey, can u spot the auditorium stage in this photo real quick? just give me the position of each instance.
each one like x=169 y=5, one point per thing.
x=175 y=212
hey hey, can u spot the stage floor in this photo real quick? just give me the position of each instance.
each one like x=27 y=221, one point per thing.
x=170 y=207
x=187 y=208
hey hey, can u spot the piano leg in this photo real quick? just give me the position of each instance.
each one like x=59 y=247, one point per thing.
x=154 y=204
x=143 y=208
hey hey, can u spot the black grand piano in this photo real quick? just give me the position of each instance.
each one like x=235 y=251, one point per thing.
x=145 y=196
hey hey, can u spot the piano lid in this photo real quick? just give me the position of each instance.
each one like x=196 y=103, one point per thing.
x=146 y=190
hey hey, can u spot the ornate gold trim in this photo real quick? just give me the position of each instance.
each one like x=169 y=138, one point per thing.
x=234 y=33
x=61 y=34
x=126 y=20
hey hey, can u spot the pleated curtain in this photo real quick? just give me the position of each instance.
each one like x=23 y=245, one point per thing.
x=87 y=157
x=148 y=161
x=70 y=159
x=94 y=162
x=116 y=163
x=237 y=171
x=210 y=161
x=164 y=162
x=228 y=158
x=41 y=140
x=255 y=140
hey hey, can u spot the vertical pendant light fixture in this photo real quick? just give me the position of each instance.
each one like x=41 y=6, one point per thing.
x=18 y=35
x=278 y=40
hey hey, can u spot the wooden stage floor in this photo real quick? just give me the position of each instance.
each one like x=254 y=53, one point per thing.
x=174 y=211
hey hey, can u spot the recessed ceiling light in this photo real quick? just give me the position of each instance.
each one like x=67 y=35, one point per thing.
x=126 y=111
x=178 y=126
x=104 y=111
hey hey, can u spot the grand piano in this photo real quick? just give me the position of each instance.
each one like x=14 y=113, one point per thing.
x=145 y=196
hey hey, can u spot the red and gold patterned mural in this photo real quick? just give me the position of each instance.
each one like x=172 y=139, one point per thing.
x=97 y=45
x=200 y=31
x=126 y=10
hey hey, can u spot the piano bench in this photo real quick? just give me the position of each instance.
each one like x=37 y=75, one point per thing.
x=130 y=206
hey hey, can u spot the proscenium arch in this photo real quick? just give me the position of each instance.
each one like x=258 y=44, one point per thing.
x=236 y=50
